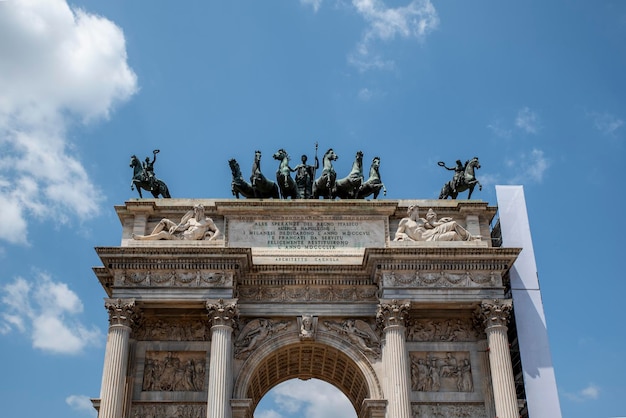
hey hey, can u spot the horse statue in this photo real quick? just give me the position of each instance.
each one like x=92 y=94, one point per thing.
x=239 y=186
x=286 y=183
x=263 y=188
x=325 y=185
x=142 y=181
x=373 y=185
x=348 y=187
x=467 y=181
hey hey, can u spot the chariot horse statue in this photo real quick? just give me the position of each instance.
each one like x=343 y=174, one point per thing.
x=263 y=188
x=286 y=183
x=325 y=185
x=143 y=178
x=238 y=185
x=373 y=185
x=464 y=179
x=348 y=187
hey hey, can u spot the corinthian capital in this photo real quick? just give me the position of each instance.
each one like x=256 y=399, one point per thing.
x=223 y=312
x=122 y=311
x=392 y=313
x=495 y=312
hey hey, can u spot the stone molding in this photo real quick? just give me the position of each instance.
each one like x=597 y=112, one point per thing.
x=167 y=410
x=173 y=278
x=442 y=279
x=448 y=411
x=308 y=293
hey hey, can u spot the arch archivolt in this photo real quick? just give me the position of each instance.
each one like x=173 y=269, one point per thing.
x=328 y=358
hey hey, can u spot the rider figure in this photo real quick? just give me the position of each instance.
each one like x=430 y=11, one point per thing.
x=459 y=172
x=148 y=169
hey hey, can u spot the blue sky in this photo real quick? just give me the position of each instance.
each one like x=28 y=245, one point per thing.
x=534 y=89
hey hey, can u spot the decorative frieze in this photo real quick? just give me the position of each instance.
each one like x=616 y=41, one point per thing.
x=448 y=411
x=441 y=372
x=157 y=410
x=445 y=330
x=173 y=278
x=308 y=293
x=358 y=333
x=174 y=371
x=442 y=279
x=169 y=329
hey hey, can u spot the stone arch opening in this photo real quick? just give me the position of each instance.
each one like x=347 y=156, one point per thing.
x=341 y=367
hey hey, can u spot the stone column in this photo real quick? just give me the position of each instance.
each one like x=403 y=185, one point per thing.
x=494 y=315
x=483 y=356
x=222 y=315
x=121 y=315
x=392 y=317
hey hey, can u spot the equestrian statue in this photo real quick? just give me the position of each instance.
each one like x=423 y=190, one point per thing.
x=325 y=185
x=464 y=179
x=144 y=178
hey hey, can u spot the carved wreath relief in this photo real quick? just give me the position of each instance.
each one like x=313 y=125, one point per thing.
x=174 y=371
x=441 y=372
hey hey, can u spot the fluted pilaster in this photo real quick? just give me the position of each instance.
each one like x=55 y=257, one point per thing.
x=392 y=317
x=223 y=316
x=121 y=315
x=494 y=316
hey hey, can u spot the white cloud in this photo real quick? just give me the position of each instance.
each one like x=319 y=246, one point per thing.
x=315 y=4
x=310 y=399
x=365 y=94
x=528 y=167
x=590 y=393
x=527 y=120
x=499 y=130
x=606 y=123
x=48 y=312
x=58 y=66
x=413 y=21
x=81 y=403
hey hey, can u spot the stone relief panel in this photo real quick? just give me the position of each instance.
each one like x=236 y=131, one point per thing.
x=170 y=329
x=255 y=332
x=308 y=293
x=358 y=333
x=172 y=371
x=448 y=330
x=448 y=411
x=441 y=372
x=173 y=278
x=168 y=411
x=442 y=279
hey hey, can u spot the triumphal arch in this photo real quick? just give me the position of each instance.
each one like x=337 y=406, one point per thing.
x=403 y=305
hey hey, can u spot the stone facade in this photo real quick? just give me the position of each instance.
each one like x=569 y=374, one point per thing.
x=307 y=289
